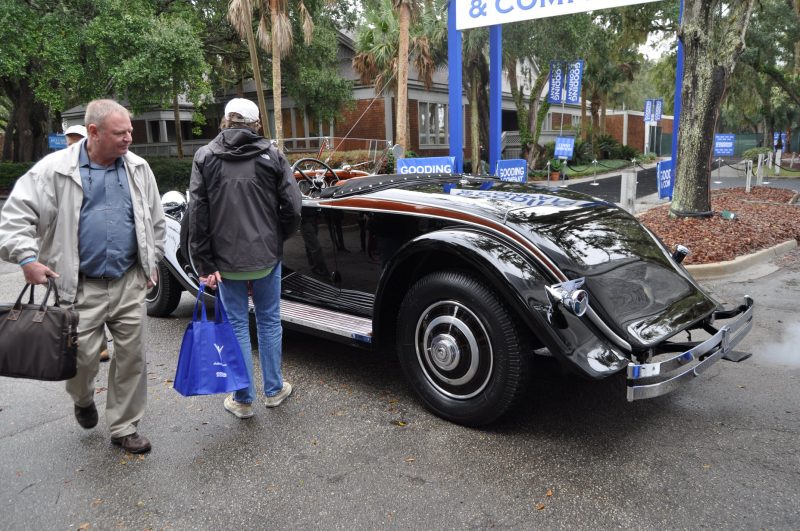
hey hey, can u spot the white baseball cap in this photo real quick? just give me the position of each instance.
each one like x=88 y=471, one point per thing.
x=244 y=107
x=76 y=130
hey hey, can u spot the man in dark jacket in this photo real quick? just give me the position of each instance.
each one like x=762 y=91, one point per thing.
x=244 y=203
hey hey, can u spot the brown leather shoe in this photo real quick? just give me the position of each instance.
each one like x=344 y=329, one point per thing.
x=104 y=355
x=86 y=416
x=133 y=443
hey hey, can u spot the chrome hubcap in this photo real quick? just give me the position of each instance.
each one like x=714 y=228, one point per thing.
x=453 y=350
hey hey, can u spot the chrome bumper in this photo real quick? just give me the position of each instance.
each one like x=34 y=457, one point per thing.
x=648 y=380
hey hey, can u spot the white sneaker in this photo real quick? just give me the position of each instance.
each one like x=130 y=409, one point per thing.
x=283 y=394
x=243 y=411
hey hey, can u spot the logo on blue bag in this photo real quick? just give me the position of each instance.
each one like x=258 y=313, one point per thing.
x=220 y=374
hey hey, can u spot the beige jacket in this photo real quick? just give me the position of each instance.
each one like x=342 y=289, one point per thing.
x=41 y=216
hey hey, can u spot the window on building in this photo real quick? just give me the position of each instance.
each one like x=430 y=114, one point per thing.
x=433 y=124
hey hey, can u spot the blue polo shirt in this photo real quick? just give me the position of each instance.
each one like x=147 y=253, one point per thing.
x=106 y=234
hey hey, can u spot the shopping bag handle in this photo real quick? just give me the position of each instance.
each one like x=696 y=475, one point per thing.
x=200 y=303
x=220 y=316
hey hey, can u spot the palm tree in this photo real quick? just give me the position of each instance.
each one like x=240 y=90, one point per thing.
x=403 y=8
x=240 y=13
x=378 y=57
x=275 y=37
x=475 y=50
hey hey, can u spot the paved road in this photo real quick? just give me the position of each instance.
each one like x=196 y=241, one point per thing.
x=353 y=448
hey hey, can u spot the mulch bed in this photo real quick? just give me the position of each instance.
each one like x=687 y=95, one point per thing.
x=764 y=218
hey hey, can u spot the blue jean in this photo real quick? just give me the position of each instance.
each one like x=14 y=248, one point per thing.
x=267 y=302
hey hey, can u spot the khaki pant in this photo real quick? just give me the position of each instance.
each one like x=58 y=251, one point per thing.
x=119 y=304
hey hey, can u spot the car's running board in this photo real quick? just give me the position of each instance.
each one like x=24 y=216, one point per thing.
x=327 y=321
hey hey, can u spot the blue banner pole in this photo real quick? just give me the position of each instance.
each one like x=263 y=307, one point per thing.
x=456 y=107
x=495 y=95
x=676 y=112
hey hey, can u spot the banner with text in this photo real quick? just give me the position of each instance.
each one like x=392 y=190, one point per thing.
x=565 y=145
x=657 y=106
x=666 y=181
x=556 y=82
x=648 y=111
x=425 y=165
x=574 y=77
x=724 y=144
x=515 y=170
x=480 y=13
x=56 y=141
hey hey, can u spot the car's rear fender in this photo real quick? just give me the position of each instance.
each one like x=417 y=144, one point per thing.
x=509 y=272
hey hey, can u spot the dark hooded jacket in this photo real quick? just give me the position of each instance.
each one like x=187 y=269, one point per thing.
x=244 y=203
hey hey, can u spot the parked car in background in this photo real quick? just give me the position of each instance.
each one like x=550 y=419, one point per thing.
x=467 y=279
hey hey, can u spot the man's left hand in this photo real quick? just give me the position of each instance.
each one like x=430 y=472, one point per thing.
x=153 y=279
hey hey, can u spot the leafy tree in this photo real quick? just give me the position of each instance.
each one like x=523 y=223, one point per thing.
x=312 y=79
x=38 y=74
x=528 y=48
x=168 y=65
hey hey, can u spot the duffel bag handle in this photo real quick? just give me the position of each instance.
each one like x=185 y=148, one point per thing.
x=51 y=284
x=13 y=315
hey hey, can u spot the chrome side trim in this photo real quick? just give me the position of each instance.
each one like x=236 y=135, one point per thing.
x=336 y=323
x=604 y=328
x=665 y=376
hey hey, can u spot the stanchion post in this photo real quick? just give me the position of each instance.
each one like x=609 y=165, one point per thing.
x=760 y=169
x=749 y=170
x=627 y=194
x=594 y=173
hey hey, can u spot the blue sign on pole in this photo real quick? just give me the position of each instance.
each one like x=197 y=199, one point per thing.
x=515 y=170
x=648 y=111
x=56 y=141
x=657 y=105
x=574 y=77
x=775 y=140
x=666 y=179
x=724 y=144
x=565 y=145
x=556 y=82
x=425 y=165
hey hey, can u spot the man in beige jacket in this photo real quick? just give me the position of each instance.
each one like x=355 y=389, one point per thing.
x=90 y=216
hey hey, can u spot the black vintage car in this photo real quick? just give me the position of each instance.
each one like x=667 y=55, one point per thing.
x=467 y=279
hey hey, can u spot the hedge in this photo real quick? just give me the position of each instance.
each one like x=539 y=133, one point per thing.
x=11 y=171
x=173 y=174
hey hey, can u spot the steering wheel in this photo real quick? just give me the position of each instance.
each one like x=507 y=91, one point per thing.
x=314 y=180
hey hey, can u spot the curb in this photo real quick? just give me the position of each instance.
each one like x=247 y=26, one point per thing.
x=722 y=269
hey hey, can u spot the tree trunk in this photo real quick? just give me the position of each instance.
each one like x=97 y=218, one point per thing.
x=277 y=103
x=177 y=114
x=262 y=103
x=536 y=115
x=603 y=110
x=8 y=143
x=402 y=76
x=707 y=68
x=474 y=123
x=23 y=114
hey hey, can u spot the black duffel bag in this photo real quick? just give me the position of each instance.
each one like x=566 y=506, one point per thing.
x=38 y=341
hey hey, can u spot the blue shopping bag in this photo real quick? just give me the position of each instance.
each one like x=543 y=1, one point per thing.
x=210 y=361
